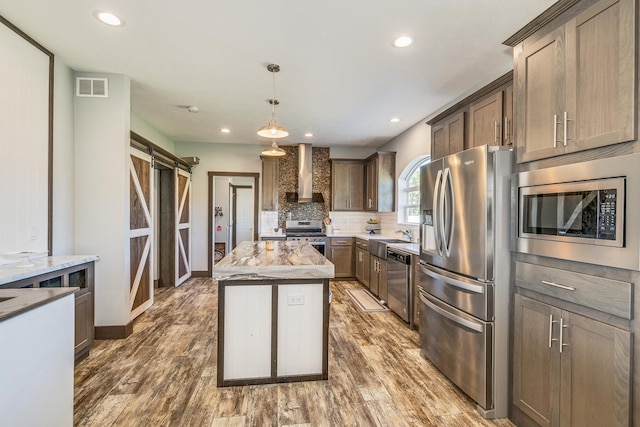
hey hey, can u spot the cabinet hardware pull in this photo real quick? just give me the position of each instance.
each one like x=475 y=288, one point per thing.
x=558 y=285
x=496 y=132
x=551 y=322
x=555 y=130
x=565 y=128
x=506 y=129
x=562 y=326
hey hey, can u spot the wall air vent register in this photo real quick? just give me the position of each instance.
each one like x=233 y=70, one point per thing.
x=92 y=87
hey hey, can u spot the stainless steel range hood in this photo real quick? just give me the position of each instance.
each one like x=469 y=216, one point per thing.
x=305 y=192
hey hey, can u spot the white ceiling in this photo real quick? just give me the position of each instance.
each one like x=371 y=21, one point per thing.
x=340 y=77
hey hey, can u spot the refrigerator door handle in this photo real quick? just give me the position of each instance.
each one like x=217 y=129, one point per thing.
x=476 y=289
x=452 y=210
x=477 y=327
x=436 y=209
x=446 y=222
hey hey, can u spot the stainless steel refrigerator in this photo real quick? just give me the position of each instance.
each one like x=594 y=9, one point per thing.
x=464 y=272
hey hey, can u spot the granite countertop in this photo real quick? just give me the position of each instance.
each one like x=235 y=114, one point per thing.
x=10 y=273
x=17 y=301
x=287 y=260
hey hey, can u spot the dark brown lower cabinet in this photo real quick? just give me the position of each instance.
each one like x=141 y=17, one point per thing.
x=570 y=370
x=341 y=255
x=362 y=262
x=378 y=277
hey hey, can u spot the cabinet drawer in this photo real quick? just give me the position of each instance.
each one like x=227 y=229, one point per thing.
x=602 y=294
x=341 y=241
x=362 y=244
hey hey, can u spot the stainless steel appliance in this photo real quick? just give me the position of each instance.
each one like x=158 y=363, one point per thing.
x=579 y=212
x=307 y=231
x=464 y=272
x=399 y=295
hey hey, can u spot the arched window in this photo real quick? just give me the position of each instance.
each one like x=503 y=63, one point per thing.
x=409 y=191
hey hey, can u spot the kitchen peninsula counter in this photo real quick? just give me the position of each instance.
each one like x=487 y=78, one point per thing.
x=273 y=313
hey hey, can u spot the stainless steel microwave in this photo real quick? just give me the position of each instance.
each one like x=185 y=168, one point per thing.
x=580 y=212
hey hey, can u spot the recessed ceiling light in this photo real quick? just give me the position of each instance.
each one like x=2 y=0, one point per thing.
x=193 y=109
x=109 y=19
x=402 y=41
x=308 y=134
x=394 y=119
x=225 y=130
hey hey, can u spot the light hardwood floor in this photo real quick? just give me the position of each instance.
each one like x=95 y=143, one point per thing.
x=164 y=374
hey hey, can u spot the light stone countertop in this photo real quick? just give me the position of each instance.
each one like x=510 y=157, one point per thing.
x=10 y=273
x=287 y=260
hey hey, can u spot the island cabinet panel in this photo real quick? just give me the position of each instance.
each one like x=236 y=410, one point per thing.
x=247 y=332
x=576 y=84
x=299 y=329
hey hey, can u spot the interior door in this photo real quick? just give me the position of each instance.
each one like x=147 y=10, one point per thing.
x=243 y=213
x=183 y=226
x=140 y=232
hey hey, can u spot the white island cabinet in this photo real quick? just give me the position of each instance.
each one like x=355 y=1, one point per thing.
x=273 y=317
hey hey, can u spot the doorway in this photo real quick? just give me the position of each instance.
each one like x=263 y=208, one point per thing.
x=231 y=219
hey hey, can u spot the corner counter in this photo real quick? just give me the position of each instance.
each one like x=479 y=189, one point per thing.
x=273 y=313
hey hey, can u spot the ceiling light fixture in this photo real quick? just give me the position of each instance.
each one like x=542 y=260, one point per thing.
x=109 y=19
x=308 y=134
x=394 y=119
x=193 y=109
x=273 y=151
x=273 y=130
x=402 y=41
x=225 y=130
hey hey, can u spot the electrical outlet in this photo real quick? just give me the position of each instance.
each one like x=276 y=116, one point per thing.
x=296 y=299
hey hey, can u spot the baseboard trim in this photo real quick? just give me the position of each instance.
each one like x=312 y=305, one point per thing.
x=113 y=332
x=200 y=274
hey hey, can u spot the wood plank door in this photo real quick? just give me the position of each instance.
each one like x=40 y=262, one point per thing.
x=140 y=232
x=183 y=226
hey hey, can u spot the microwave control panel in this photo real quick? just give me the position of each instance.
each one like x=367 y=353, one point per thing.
x=607 y=214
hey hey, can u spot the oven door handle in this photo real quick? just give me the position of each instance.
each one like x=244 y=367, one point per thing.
x=477 y=327
x=476 y=289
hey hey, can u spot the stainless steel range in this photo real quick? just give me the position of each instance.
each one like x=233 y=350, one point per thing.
x=307 y=231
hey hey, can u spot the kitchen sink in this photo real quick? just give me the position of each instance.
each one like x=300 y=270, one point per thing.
x=378 y=247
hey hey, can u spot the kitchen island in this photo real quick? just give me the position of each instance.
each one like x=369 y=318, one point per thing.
x=273 y=313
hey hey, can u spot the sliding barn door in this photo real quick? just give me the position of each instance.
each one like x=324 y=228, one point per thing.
x=140 y=232
x=183 y=226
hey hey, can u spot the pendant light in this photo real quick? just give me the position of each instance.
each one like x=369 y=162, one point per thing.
x=273 y=130
x=273 y=151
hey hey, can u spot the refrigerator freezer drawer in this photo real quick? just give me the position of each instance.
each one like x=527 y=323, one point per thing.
x=471 y=296
x=459 y=346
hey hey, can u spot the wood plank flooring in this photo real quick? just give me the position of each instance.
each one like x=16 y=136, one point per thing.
x=164 y=374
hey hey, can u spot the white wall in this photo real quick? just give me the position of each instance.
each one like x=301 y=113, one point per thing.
x=63 y=161
x=410 y=144
x=102 y=129
x=218 y=158
x=350 y=153
x=146 y=130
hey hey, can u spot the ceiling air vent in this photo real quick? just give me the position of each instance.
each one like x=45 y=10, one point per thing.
x=92 y=87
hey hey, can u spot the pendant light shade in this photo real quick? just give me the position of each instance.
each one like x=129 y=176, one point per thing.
x=273 y=151
x=273 y=130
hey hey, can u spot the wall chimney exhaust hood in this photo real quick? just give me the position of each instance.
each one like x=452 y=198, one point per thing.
x=305 y=192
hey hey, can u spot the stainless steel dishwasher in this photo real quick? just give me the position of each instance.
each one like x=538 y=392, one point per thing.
x=399 y=292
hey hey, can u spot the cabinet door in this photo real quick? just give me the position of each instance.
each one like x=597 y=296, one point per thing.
x=439 y=142
x=340 y=186
x=371 y=173
x=356 y=187
x=382 y=280
x=536 y=361
x=270 y=173
x=362 y=266
x=540 y=71
x=455 y=133
x=447 y=136
x=507 y=124
x=596 y=369
x=374 y=276
x=601 y=56
x=83 y=324
x=485 y=120
x=342 y=259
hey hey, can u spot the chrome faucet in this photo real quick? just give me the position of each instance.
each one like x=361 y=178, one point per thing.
x=408 y=233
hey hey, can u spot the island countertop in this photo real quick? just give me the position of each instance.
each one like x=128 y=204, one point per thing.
x=287 y=260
